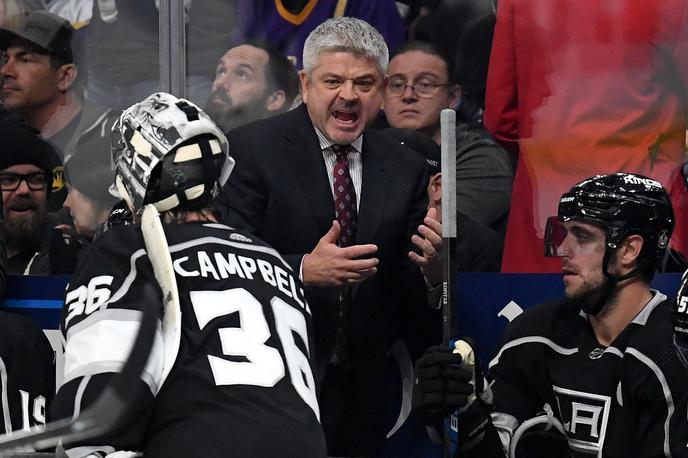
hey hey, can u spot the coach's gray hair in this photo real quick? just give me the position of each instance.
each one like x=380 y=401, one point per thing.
x=345 y=34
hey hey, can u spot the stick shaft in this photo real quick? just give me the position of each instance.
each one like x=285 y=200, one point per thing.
x=449 y=231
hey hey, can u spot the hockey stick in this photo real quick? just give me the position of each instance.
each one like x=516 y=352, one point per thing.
x=448 y=129
x=108 y=411
x=161 y=260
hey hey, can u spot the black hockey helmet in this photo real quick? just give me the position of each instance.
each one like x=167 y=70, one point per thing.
x=167 y=152
x=623 y=204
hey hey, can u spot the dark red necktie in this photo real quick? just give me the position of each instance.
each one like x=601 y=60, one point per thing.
x=344 y=196
x=345 y=212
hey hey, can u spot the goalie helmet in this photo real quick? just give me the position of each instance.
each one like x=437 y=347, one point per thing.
x=623 y=204
x=167 y=152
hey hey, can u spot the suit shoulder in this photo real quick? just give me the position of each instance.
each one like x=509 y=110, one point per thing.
x=264 y=128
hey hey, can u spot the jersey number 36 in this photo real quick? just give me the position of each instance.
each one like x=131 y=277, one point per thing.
x=264 y=366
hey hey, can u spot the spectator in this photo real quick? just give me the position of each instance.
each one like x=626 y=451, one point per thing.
x=478 y=247
x=25 y=180
x=421 y=84
x=252 y=82
x=290 y=171
x=572 y=92
x=236 y=375
x=594 y=373
x=88 y=175
x=39 y=75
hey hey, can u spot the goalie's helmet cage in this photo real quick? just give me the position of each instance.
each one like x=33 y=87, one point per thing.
x=167 y=152
x=623 y=204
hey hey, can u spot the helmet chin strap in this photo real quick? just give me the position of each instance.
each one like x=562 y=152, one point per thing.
x=618 y=278
x=612 y=281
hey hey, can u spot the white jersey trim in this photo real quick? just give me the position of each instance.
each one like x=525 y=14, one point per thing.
x=5 y=401
x=505 y=425
x=642 y=317
x=665 y=390
x=532 y=339
x=102 y=343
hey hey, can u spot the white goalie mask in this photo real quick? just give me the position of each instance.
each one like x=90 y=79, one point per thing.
x=167 y=152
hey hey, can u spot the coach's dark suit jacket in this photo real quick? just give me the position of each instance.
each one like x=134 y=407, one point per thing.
x=280 y=191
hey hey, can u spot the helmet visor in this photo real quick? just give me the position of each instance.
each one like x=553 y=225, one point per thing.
x=555 y=233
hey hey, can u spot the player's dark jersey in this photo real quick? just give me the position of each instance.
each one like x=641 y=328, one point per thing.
x=628 y=399
x=240 y=381
x=27 y=373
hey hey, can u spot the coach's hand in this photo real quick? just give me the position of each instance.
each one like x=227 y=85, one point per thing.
x=331 y=266
x=429 y=242
x=442 y=384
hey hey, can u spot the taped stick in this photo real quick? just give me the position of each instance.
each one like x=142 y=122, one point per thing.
x=449 y=231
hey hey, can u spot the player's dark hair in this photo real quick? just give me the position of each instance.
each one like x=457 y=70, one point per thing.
x=430 y=48
x=281 y=74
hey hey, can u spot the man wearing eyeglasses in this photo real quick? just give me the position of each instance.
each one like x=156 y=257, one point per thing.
x=422 y=82
x=26 y=179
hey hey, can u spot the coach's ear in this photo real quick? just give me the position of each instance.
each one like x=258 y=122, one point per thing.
x=305 y=85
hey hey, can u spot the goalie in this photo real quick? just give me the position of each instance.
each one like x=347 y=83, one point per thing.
x=594 y=373
x=230 y=371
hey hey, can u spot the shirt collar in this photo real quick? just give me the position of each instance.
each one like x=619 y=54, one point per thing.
x=325 y=143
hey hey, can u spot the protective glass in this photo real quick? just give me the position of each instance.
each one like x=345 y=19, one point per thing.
x=36 y=181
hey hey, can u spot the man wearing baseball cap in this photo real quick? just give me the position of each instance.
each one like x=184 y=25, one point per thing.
x=26 y=181
x=38 y=72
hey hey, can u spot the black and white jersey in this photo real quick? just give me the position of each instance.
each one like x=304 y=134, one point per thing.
x=626 y=400
x=27 y=373
x=240 y=381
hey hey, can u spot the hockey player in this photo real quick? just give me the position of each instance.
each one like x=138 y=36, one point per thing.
x=594 y=373
x=230 y=371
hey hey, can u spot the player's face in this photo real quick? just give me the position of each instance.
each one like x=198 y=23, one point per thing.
x=343 y=95
x=86 y=216
x=582 y=253
x=28 y=80
x=408 y=109
x=240 y=86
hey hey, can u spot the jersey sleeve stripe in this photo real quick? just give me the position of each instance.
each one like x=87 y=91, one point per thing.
x=128 y=280
x=665 y=389
x=79 y=395
x=5 y=401
x=104 y=344
x=532 y=339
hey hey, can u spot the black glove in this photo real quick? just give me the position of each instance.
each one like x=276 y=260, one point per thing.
x=442 y=384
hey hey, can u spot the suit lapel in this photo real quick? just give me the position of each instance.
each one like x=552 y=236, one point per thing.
x=374 y=190
x=305 y=158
